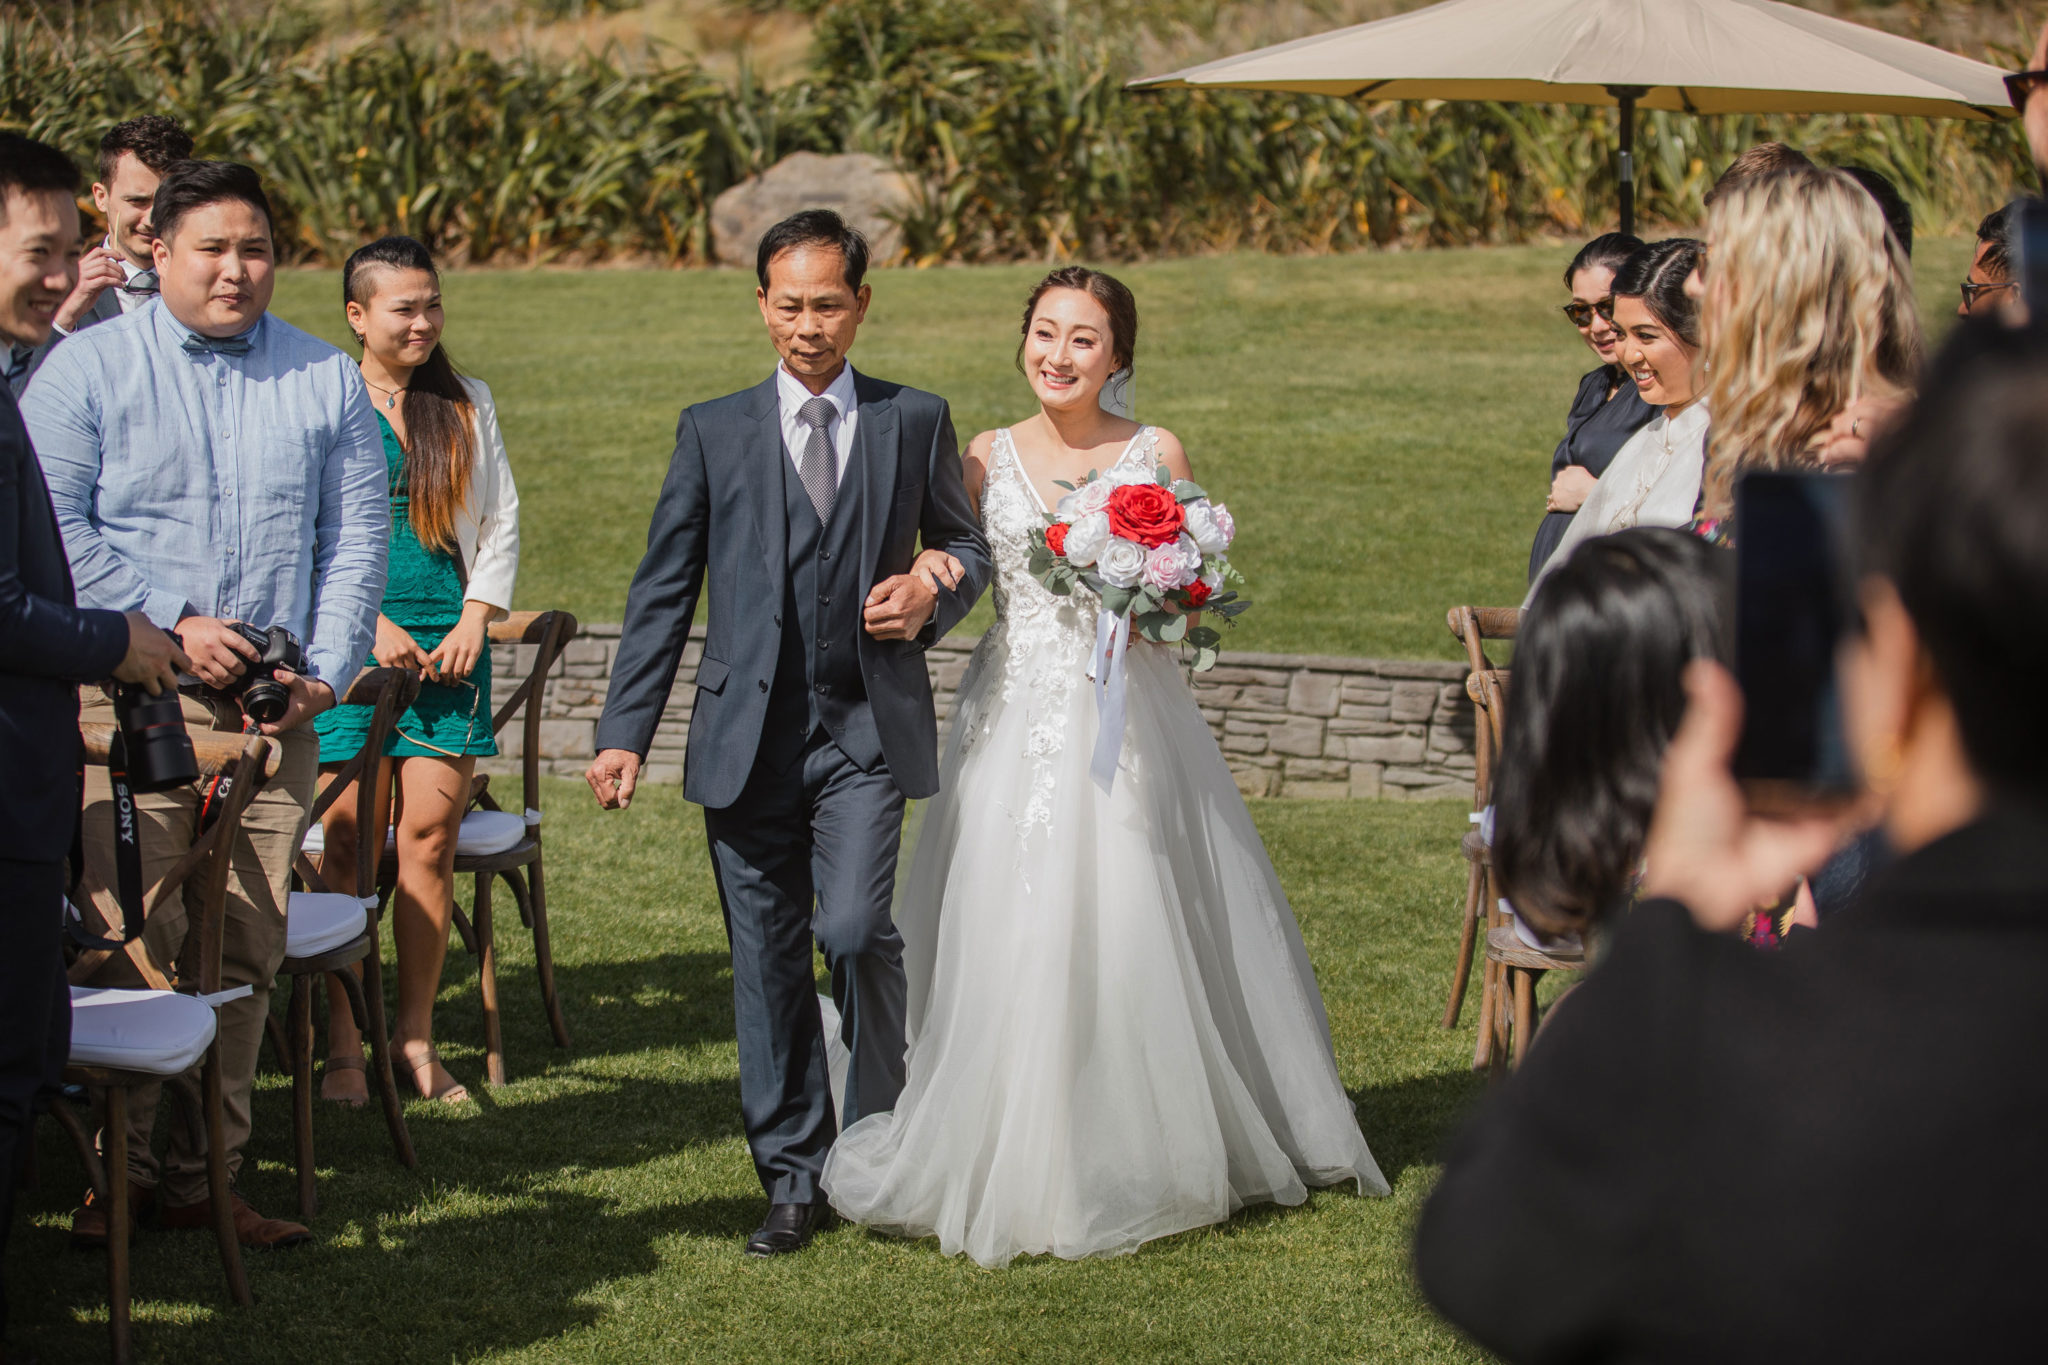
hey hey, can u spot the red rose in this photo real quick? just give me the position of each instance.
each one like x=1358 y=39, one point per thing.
x=1194 y=594
x=1056 y=538
x=1146 y=513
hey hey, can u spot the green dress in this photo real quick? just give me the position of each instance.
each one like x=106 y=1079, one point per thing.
x=423 y=592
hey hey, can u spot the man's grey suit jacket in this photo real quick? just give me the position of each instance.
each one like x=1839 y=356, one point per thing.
x=722 y=512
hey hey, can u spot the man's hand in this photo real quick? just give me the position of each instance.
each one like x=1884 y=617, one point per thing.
x=153 y=660
x=898 y=607
x=219 y=655
x=98 y=272
x=612 y=775
x=394 y=646
x=310 y=697
x=1570 y=489
x=1706 y=849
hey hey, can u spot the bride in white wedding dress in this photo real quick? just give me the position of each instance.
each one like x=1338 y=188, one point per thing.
x=1114 y=1031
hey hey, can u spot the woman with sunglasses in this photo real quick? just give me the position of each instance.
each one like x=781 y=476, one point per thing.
x=1606 y=411
x=454 y=554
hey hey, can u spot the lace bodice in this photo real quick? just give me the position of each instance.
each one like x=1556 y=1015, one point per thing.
x=1041 y=643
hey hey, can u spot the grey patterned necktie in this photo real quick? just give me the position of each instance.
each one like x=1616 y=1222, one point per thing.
x=142 y=282
x=819 y=467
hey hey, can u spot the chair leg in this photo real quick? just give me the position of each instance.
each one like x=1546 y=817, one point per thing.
x=544 y=958
x=1525 y=1013
x=487 y=979
x=1482 y=1048
x=1467 y=941
x=366 y=998
x=116 y=1167
x=218 y=1189
x=302 y=1092
x=280 y=1049
x=465 y=931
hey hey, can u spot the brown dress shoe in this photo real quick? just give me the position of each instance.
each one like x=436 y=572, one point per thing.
x=252 y=1229
x=89 y=1223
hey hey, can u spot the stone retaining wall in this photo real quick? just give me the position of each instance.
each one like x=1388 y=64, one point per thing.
x=1289 y=725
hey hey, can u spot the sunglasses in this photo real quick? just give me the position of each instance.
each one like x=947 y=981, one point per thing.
x=1973 y=292
x=2021 y=84
x=1581 y=314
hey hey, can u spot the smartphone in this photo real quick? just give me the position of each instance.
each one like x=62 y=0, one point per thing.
x=1794 y=602
x=2031 y=232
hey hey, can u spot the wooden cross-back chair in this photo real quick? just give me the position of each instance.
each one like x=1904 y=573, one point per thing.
x=1507 y=1007
x=330 y=932
x=1473 y=627
x=124 y=1039
x=496 y=843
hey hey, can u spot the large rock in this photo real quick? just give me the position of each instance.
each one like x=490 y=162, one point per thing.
x=863 y=189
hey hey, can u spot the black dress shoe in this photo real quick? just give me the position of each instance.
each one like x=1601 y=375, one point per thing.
x=789 y=1228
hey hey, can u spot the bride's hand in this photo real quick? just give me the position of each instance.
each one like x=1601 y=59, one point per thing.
x=938 y=569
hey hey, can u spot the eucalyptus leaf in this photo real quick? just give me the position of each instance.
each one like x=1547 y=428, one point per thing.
x=1163 y=476
x=1205 y=658
x=1117 y=601
x=1174 y=631
x=1187 y=490
x=1205 y=637
x=1062 y=483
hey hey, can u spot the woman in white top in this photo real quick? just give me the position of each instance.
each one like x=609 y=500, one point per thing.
x=454 y=553
x=1654 y=480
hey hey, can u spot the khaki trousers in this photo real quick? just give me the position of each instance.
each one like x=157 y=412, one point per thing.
x=259 y=885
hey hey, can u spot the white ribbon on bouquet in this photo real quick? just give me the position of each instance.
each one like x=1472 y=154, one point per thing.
x=1106 y=671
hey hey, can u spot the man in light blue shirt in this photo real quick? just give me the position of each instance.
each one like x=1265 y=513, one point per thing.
x=210 y=464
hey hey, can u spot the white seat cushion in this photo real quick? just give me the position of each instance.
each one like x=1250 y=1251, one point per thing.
x=489 y=831
x=482 y=832
x=161 y=1033
x=319 y=922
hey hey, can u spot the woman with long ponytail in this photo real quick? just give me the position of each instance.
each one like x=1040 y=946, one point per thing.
x=454 y=554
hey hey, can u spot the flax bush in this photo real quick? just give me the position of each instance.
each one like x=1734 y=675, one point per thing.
x=1012 y=120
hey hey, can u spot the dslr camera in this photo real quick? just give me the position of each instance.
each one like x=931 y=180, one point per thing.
x=258 y=692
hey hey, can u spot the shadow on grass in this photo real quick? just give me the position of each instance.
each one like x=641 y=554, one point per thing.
x=1407 y=1122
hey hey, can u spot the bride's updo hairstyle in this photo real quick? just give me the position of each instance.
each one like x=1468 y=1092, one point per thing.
x=1116 y=300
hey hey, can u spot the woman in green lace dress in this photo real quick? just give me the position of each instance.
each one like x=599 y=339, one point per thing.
x=454 y=553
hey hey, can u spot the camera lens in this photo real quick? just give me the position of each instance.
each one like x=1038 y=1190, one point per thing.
x=153 y=735
x=265 y=701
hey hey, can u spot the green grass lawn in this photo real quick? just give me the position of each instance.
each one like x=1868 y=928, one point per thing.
x=593 y=1209
x=1381 y=424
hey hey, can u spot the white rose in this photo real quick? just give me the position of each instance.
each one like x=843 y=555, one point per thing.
x=1122 y=563
x=1086 y=538
x=1204 y=529
x=1118 y=478
x=1091 y=496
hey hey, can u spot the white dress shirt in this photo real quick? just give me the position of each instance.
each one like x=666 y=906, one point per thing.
x=129 y=302
x=791 y=395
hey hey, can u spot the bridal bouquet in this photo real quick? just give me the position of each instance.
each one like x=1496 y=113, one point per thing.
x=1144 y=543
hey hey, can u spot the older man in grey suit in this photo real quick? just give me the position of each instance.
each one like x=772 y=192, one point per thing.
x=805 y=498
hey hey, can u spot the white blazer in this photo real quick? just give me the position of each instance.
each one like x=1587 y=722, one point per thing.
x=488 y=523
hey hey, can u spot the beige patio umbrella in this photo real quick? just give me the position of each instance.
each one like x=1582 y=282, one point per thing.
x=1699 y=56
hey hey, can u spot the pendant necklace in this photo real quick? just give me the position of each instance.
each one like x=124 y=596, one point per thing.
x=391 y=395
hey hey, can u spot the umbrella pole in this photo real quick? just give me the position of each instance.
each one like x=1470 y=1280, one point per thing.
x=1627 y=95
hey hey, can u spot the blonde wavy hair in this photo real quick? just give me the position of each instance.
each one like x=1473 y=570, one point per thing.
x=1809 y=305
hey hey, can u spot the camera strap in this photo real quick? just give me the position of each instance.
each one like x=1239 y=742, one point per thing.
x=128 y=851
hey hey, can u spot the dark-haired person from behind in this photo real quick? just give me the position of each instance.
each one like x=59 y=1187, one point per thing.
x=1898 y=214
x=1598 y=691
x=454 y=555
x=1831 y=1152
x=48 y=645
x=1606 y=410
x=211 y=464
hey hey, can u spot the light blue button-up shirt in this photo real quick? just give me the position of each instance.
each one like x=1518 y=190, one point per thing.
x=249 y=488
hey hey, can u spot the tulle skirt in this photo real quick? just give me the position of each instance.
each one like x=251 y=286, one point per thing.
x=1115 y=1033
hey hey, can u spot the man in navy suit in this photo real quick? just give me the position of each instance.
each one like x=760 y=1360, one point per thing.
x=47 y=647
x=805 y=498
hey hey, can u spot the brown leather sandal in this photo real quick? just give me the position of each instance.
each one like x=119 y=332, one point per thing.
x=346 y=1063
x=455 y=1092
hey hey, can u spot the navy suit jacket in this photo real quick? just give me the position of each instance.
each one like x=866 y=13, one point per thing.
x=47 y=646
x=722 y=513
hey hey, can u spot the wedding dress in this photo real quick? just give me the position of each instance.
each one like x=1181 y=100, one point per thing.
x=1115 y=1034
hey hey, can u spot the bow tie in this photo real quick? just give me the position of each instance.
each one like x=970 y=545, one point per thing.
x=142 y=282
x=195 y=344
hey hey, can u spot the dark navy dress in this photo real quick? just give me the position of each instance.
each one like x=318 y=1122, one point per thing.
x=1594 y=432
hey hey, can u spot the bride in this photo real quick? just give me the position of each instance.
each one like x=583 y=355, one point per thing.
x=1114 y=1032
